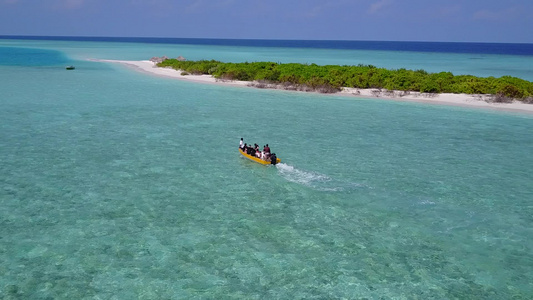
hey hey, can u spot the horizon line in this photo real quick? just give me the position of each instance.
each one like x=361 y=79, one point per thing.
x=3 y=36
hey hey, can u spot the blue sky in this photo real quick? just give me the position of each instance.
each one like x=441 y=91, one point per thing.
x=390 y=20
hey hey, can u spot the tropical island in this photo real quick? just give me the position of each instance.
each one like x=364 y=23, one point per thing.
x=335 y=78
x=506 y=94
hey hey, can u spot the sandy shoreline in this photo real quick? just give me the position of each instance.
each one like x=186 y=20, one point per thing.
x=443 y=99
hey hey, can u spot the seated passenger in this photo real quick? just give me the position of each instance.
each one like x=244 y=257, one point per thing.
x=266 y=149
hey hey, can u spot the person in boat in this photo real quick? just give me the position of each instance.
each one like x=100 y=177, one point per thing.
x=263 y=154
x=266 y=149
x=244 y=148
x=273 y=159
x=241 y=144
x=266 y=152
x=257 y=151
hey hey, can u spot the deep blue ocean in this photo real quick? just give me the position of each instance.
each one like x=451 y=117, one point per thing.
x=439 y=47
x=116 y=184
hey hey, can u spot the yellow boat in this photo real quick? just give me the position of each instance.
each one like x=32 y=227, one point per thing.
x=258 y=160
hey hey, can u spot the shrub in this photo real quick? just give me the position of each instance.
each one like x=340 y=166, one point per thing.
x=511 y=91
x=331 y=78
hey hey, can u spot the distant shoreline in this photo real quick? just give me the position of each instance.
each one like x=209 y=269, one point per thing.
x=462 y=100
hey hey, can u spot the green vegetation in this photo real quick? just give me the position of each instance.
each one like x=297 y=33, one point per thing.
x=332 y=78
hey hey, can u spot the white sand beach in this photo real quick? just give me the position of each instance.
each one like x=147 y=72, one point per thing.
x=463 y=100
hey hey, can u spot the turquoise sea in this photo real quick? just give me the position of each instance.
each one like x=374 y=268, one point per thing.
x=115 y=184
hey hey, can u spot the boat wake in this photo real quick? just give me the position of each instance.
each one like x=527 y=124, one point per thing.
x=314 y=180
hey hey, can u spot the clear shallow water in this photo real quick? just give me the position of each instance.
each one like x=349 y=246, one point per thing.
x=119 y=185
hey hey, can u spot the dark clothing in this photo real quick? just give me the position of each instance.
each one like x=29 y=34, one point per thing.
x=274 y=159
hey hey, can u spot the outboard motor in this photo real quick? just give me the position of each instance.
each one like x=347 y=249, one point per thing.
x=273 y=159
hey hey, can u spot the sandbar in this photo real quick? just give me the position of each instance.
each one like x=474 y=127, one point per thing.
x=464 y=100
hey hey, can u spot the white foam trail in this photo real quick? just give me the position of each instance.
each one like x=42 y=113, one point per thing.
x=312 y=179
x=299 y=176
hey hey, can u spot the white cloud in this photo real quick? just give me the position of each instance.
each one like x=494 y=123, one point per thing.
x=69 y=4
x=73 y=4
x=196 y=6
x=449 y=10
x=501 y=15
x=377 y=6
x=314 y=11
x=325 y=7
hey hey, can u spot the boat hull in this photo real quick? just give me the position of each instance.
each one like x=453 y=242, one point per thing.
x=257 y=160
